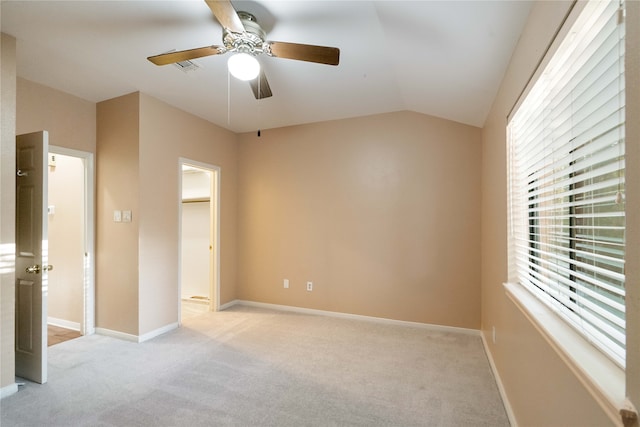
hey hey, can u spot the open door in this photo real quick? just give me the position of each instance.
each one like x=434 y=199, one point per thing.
x=31 y=256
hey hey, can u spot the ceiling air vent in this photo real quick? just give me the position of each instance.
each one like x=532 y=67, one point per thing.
x=186 y=65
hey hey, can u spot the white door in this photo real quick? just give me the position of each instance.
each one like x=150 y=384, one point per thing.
x=31 y=256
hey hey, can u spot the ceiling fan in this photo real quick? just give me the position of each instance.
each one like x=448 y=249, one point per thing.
x=242 y=36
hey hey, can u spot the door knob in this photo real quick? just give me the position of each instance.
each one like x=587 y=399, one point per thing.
x=34 y=269
x=47 y=267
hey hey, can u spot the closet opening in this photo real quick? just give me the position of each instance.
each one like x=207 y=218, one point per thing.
x=199 y=239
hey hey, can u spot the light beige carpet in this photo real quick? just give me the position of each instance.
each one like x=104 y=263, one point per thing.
x=193 y=308
x=255 y=367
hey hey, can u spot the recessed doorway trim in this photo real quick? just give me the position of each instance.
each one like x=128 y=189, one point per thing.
x=214 y=282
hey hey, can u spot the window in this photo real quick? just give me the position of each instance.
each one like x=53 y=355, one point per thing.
x=566 y=180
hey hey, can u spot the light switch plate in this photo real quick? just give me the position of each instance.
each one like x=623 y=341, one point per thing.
x=126 y=216
x=117 y=216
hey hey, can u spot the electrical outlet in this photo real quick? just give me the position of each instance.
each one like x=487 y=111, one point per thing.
x=309 y=286
x=286 y=283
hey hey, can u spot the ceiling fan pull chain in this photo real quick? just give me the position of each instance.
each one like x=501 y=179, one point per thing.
x=228 y=98
x=259 y=103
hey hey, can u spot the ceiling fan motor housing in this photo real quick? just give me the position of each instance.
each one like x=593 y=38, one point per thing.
x=250 y=41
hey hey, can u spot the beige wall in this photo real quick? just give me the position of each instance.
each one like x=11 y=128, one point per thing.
x=131 y=129
x=140 y=141
x=29 y=107
x=380 y=212
x=7 y=207
x=166 y=134
x=66 y=239
x=117 y=188
x=541 y=389
x=70 y=121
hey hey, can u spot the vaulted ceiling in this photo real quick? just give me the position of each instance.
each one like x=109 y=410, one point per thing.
x=442 y=58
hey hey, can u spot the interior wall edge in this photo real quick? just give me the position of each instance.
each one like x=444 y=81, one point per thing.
x=8 y=66
x=8 y=390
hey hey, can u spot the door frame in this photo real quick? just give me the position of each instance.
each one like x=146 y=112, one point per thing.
x=87 y=327
x=214 y=209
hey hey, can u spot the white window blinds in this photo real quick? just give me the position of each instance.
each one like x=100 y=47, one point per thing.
x=566 y=180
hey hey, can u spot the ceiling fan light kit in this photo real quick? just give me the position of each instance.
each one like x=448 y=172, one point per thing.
x=243 y=66
x=242 y=36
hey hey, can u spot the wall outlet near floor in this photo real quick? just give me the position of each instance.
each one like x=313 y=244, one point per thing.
x=286 y=283
x=309 y=286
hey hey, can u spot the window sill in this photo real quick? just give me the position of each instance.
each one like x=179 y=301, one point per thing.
x=602 y=378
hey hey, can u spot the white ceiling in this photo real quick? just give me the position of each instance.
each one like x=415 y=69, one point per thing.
x=443 y=58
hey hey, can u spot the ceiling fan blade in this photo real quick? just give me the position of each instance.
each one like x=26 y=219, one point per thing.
x=225 y=14
x=183 y=55
x=305 y=52
x=260 y=86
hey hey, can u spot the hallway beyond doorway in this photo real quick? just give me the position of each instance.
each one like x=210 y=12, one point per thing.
x=57 y=335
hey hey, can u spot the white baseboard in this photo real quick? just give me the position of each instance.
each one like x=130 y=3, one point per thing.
x=117 y=334
x=7 y=391
x=136 y=338
x=353 y=317
x=228 y=305
x=496 y=375
x=156 y=332
x=75 y=326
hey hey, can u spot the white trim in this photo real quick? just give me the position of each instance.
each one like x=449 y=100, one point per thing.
x=137 y=338
x=8 y=390
x=569 y=19
x=157 y=332
x=228 y=305
x=503 y=393
x=116 y=334
x=75 y=326
x=215 y=187
x=356 y=317
x=601 y=377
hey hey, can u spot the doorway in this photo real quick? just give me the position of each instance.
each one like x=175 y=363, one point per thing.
x=33 y=249
x=199 y=212
x=70 y=304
